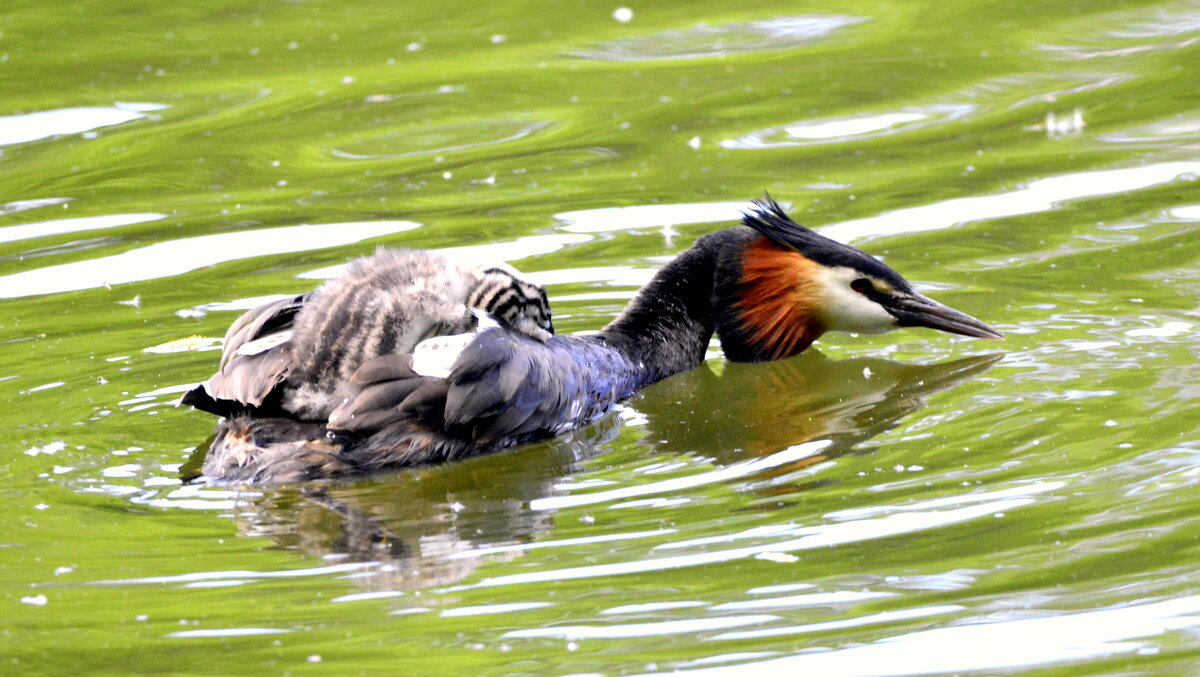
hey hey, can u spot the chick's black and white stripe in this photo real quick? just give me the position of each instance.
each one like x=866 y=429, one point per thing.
x=513 y=300
x=292 y=356
x=387 y=302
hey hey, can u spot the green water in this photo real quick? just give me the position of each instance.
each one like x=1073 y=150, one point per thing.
x=913 y=503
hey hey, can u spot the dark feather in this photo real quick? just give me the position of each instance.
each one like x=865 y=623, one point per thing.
x=382 y=396
x=260 y=321
x=385 y=368
x=249 y=383
x=426 y=405
x=769 y=219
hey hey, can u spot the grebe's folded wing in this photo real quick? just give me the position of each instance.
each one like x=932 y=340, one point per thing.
x=257 y=323
x=380 y=393
x=503 y=388
x=255 y=359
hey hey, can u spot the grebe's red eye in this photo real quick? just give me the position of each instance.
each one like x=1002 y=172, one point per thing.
x=862 y=285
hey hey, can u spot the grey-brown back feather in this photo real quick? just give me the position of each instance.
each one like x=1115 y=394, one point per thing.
x=385 y=303
x=245 y=382
x=347 y=363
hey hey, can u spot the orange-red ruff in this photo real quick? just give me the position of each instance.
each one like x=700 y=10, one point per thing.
x=778 y=300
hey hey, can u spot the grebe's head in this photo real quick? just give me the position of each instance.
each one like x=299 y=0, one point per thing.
x=794 y=284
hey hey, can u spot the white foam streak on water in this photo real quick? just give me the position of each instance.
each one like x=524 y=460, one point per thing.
x=706 y=40
x=734 y=471
x=647 y=216
x=625 y=276
x=238 y=304
x=1188 y=213
x=489 y=609
x=869 y=619
x=225 y=632
x=521 y=248
x=837 y=129
x=754 y=532
x=1038 y=196
x=173 y=257
x=27 y=231
x=559 y=543
x=226 y=575
x=36 y=203
x=641 y=629
x=168 y=390
x=365 y=596
x=651 y=607
x=475 y=255
x=44 y=124
x=1167 y=330
x=810 y=599
x=833 y=534
x=830 y=129
x=164 y=259
x=193 y=497
x=948 y=501
x=1000 y=645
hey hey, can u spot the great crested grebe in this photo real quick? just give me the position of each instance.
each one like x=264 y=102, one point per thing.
x=313 y=388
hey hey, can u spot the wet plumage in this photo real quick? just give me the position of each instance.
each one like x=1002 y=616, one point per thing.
x=371 y=401
x=290 y=357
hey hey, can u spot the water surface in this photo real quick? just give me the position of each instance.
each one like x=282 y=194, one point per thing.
x=914 y=503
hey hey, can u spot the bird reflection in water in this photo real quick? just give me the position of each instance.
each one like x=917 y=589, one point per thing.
x=435 y=525
x=756 y=410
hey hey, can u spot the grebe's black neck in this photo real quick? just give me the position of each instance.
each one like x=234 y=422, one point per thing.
x=666 y=328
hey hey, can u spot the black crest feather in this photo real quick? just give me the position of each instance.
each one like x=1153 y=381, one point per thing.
x=769 y=219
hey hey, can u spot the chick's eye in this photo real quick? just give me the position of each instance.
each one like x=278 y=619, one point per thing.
x=862 y=285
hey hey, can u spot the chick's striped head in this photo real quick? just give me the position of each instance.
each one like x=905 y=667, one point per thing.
x=514 y=300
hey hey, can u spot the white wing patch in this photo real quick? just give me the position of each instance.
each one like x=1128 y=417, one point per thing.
x=436 y=356
x=262 y=345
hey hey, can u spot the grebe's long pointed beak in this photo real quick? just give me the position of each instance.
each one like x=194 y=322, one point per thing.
x=921 y=311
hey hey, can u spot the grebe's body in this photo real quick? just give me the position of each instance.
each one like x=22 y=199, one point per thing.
x=768 y=289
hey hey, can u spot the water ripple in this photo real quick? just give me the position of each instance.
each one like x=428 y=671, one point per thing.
x=27 y=231
x=1038 y=196
x=821 y=536
x=850 y=127
x=609 y=219
x=166 y=259
x=22 y=205
x=985 y=645
x=1180 y=128
x=805 y=600
x=45 y=124
x=856 y=622
x=445 y=138
x=243 y=574
x=734 y=471
x=704 y=40
x=641 y=629
x=225 y=632
x=474 y=255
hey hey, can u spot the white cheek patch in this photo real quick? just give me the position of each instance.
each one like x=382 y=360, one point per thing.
x=847 y=310
x=436 y=356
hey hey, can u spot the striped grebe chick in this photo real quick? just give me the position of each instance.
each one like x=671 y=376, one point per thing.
x=289 y=357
